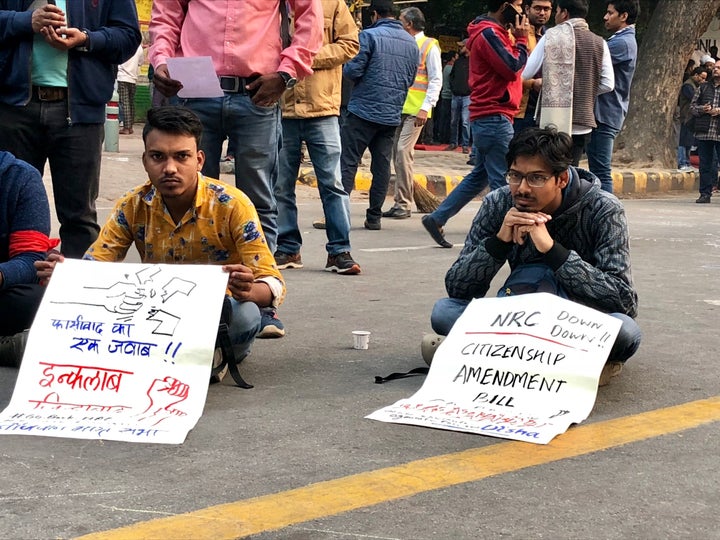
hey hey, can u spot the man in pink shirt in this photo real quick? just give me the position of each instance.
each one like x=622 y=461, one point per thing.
x=255 y=63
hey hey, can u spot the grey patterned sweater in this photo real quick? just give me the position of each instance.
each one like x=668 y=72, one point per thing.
x=590 y=258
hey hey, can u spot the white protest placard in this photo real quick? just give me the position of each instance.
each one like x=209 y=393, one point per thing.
x=119 y=351
x=518 y=367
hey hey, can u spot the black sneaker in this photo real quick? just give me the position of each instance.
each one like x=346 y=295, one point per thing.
x=288 y=260
x=372 y=225
x=397 y=213
x=12 y=349
x=342 y=263
x=703 y=199
x=436 y=231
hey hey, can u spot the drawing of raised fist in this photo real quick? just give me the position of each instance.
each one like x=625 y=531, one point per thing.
x=164 y=395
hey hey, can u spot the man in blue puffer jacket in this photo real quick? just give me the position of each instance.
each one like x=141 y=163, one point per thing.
x=383 y=71
x=58 y=63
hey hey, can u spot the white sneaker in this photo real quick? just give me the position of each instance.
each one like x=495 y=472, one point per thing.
x=428 y=346
x=611 y=369
x=217 y=361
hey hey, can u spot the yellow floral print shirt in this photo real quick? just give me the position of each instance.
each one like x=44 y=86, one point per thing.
x=221 y=228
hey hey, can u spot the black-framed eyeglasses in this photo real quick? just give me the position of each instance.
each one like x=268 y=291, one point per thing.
x=537 y=180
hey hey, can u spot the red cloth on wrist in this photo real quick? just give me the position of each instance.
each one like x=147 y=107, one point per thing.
x=26 y=241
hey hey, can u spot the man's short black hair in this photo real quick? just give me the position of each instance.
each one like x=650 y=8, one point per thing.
x=384 y=8
x=495 y=5
x=414 y=17
x=699 y=70
x=631 y=7
x=553 y=146
x=577 y=9
x=528 y=3
x=173 y=119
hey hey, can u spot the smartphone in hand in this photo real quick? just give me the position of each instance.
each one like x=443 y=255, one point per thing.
x=510 y=13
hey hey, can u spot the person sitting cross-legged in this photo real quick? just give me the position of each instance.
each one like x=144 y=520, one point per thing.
x=553 y=214
x=24 y=230
x=179 y=216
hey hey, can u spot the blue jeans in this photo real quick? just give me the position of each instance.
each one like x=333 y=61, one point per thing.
x=708 y=151
x=683 y=157
x=491 y=137
x=447 y=310
x=244 y=325
x=460 y=118
x=322 y=137
x=39 y=132
x=599 y=153
x=257 y=138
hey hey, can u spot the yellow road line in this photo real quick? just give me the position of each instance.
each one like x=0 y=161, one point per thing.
x=270 y=512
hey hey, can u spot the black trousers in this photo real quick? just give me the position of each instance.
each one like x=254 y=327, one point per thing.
x=442 y=121
x=357 y=135
x=18 y=305
x=39 y=132
x=578 y=147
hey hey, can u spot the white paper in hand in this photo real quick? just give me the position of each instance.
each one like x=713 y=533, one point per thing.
x=197 y=75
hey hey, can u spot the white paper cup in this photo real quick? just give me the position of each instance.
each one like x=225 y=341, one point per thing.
x=361 y=339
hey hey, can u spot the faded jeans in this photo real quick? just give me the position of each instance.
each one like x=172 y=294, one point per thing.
x=322 y=137
x=491 y=137
x=257 y=137
x=244 y=326
x=460 y=120
x=599 y=153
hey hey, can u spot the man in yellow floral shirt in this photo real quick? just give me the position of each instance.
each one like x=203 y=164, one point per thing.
x=181 y=217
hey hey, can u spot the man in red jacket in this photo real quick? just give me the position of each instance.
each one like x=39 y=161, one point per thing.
x=496 y=61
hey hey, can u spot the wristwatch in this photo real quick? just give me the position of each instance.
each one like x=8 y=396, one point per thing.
x=85 y=47
x=289 y=80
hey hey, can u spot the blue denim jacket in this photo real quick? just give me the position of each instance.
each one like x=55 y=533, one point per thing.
x=612 y=107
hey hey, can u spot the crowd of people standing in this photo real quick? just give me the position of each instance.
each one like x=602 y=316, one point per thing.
x=510 y=75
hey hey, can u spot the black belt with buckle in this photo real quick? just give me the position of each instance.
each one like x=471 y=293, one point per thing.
x=236 y=85
x=49 y=93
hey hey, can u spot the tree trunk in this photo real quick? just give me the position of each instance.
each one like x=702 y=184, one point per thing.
x=647 y=138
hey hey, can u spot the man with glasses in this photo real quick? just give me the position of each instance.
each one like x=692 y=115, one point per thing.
x=556 y=215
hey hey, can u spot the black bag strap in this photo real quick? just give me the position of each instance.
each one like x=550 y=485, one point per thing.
x=284 y=24
x=395 y=376
x=228 y=358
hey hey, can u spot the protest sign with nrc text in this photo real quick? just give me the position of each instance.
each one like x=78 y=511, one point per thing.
x=519 y=367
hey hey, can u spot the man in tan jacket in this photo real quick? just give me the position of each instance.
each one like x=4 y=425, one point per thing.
x=310 y=114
